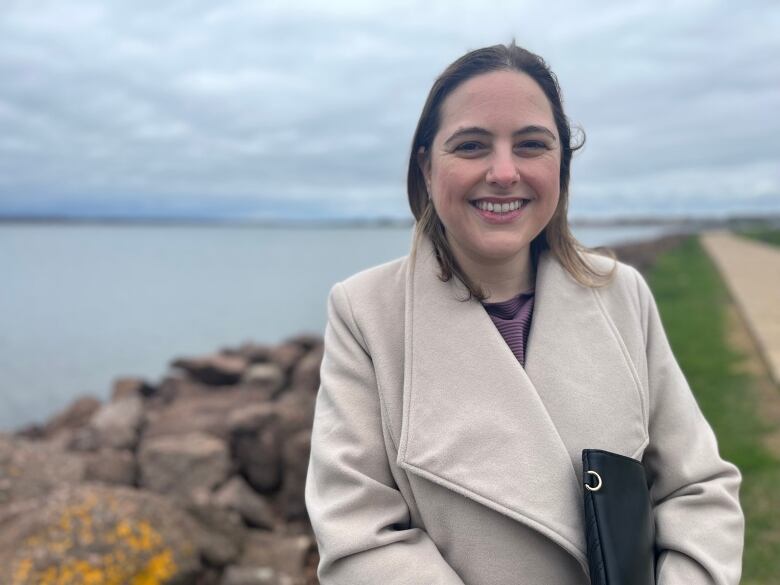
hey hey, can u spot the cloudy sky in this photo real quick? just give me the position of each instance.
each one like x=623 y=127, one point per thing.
x=261 y=109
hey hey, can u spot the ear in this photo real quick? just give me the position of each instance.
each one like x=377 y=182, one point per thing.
x=424 y=161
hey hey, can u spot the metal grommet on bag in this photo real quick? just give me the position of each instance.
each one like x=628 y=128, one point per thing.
x=597 y=487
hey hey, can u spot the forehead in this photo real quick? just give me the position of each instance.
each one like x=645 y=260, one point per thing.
x=497 y=100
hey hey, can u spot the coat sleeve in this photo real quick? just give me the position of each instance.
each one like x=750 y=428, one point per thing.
x=359 y=517
x=698 y=519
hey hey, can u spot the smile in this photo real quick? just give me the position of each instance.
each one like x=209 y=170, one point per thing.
x=499 y=208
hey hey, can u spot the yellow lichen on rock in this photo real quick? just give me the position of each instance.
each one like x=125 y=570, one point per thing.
x=22 y=570
x=107 y=570
x=159 y=569
x=131 y=542
x=140 y=537
x=93 y=538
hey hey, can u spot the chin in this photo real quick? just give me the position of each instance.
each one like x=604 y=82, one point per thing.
x=502 y=252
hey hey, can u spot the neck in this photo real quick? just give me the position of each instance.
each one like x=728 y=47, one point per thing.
x=502 y=279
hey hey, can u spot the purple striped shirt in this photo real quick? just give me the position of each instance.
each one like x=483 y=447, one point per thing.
x=513 y=321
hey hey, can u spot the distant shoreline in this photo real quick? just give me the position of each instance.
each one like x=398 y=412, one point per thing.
x=696 y=222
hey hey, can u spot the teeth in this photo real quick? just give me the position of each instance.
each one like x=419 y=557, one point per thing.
x=500 y=207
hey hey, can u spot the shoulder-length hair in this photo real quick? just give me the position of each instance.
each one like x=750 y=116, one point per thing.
x=556 y=235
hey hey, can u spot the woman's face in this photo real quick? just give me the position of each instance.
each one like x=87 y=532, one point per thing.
x=497 y=147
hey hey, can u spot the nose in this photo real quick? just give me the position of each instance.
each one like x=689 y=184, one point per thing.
x=503 y=171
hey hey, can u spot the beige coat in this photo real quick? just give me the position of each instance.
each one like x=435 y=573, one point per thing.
x=438 y=459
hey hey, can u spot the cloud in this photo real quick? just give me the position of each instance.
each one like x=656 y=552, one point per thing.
x=310 y=108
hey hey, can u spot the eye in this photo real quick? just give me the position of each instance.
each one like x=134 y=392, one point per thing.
x=533 y=145
x=469 y=147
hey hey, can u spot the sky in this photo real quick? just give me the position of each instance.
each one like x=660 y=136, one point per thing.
x=305 y=110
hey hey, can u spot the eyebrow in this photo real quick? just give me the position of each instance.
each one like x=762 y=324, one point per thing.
x=482 y=132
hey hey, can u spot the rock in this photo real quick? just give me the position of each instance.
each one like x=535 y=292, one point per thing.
x=222 y=440
x=98 y=534
x=237 y=495
x=235 y=575
x=266 y=377
x=209 y=576
x=307 y=341
x=253 y=353
x=306 y=373
x=287 y=355
x=116 y=424
x=174 y=385
x=180 y=465
x=204 y=413
x=252 y=418
x=131 y=388
x=112 y=467
x=290 y=500
x=296 y=411
x=83 y=440
x=286 y=555
x=75 y=416
x=213 y=370
x=256 y=445
x=33 y=469
x=223 y=532
x=31 y=431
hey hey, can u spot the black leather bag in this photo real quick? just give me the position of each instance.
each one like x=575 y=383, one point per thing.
x=619 y=525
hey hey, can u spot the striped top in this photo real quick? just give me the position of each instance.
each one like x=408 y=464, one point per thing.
x=513 y=321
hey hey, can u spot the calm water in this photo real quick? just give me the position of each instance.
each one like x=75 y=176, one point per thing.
x=80 y=305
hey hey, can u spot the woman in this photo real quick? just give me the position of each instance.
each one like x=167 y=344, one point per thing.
x=461 y=383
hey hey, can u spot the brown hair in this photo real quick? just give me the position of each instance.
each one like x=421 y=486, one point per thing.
x=556 y=235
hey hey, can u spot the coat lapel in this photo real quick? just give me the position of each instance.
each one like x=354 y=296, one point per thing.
x=478 y=423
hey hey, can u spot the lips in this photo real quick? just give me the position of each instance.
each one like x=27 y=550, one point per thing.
x=499 y=204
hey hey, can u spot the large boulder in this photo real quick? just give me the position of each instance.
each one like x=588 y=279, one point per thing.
x=237 y=495
x=286 y=355
x=224 y=532
x=176 y=385
x=98 y=534
x=306 y=340
x=235 y=575
x=214 y=370
x=287 y=556
x=128 y=387
x=290 y=499
x=306 y=373
x=253 y=353
x=296 y=411
x=63 y=424
x=31 y=469
x=256 y=441
x=116 y=467
x=205 y=412
x=267 y=377
x=114 y=425
x=181 y=465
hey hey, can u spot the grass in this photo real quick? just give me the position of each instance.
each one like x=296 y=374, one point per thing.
x=693 y=300
x=768 y=235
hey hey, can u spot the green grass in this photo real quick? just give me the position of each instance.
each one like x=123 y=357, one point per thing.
x=692 y=300
x=771 y=236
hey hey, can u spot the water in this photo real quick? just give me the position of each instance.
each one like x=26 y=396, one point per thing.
x=83 y=304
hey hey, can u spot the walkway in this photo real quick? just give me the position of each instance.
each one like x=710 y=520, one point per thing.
x=751 y=270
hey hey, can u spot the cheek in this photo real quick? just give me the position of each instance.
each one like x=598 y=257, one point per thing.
x=451 y=183
x=546 y=178
x=448 y=187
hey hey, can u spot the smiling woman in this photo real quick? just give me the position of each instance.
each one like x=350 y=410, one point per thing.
x=462 y=384
x=496 y=147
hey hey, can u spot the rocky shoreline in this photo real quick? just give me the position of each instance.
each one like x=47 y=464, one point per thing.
x=196 y=479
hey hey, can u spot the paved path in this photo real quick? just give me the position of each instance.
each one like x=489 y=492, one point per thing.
x=751 y=270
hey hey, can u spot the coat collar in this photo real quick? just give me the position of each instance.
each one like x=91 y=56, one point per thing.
x=475 y=421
